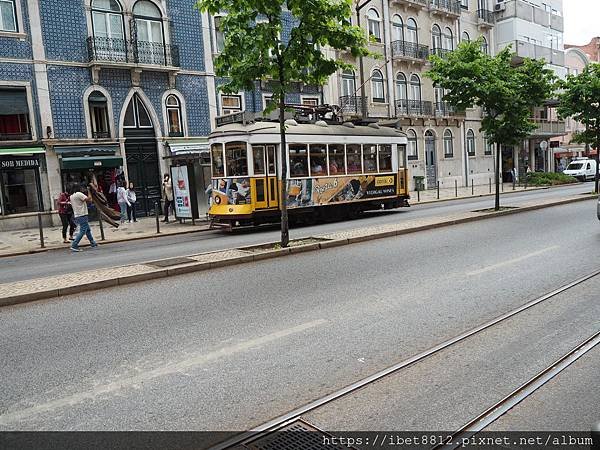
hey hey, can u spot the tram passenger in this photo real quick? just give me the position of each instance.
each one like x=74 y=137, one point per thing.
x=333 y=168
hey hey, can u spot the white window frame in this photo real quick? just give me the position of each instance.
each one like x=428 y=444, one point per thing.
x=380 y=82
x=266 y=98
x=230 y=110
x=409 y=150
x=448 y=143
x=19 y=32
x=317 y=100
x=470 y=143
x=374 y=24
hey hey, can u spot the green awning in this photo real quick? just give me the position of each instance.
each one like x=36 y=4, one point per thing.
x=91 y=162
x=21 y=151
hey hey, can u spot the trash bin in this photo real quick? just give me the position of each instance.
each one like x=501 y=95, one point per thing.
x=419 y=183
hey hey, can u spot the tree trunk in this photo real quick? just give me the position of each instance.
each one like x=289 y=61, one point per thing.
x=498 y=162
x=285 y=231
x=597 y=177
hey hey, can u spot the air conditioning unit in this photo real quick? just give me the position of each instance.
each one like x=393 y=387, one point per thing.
x=500 y=7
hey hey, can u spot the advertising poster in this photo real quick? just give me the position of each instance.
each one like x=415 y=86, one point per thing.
x=331 y=190
x=231 y=191
x=181 y=192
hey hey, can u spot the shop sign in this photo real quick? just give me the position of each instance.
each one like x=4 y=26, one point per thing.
x=19 y=163
x=181 y=192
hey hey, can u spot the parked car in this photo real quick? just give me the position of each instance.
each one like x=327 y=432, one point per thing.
x=583 y=169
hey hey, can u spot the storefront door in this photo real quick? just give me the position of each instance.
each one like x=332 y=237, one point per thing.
x=143 y=171
x=430 y=160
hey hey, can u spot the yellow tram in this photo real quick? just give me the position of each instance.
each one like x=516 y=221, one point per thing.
x=335 y=170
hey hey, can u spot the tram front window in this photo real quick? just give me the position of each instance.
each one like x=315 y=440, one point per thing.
x=337 y=162
x=218 y=169
x=236 y=159
x=385 y=158
x=353 y=155
x=298 y=161
x=370 y=158
x=318 y=160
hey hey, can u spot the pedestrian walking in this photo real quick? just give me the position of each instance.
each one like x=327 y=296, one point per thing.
x=167 y=195
x=65 y=212
x=122 y=200
x=131 y=198
x=79 y=202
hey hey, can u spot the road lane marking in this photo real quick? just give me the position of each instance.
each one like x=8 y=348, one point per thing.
x=512 y=261
x=168 y=369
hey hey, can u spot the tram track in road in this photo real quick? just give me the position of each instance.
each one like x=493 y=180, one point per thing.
x=294 y=416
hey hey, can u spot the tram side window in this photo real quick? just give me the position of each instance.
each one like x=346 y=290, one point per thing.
x=385 y=158
x=354 y=159
x=271 y=158
x=401 y=155
x=370 y=158
x=318 y=160
x=236 y=159
x=337 y=162
x=298 y=161
x=218 y=169
x=258 y=153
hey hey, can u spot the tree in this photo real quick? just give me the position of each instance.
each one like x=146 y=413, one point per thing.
x=256 y=48
x=580 y=99
x=505 y=92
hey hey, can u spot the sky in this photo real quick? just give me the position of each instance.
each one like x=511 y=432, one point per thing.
x=582 y=21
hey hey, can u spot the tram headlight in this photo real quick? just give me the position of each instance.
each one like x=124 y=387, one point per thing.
x=218 y=200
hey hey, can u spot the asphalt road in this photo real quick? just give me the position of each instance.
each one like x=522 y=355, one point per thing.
x=231 y=348
x=63 y=261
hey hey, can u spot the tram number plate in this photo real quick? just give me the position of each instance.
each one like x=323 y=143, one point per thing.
x=384 y=181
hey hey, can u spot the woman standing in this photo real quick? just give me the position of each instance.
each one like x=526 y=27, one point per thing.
x=167 y=194
x=65 y=211
x=131 y=198
x=122 y=199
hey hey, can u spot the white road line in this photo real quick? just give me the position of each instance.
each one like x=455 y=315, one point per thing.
x=512 y=261
x=168 y=369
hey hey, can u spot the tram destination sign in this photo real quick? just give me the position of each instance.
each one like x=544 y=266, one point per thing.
x=19 y=163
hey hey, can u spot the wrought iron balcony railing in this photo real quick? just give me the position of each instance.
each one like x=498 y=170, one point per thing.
x=15 y=136
x=445 y=109
x=441 y=52
x=486 y=16
x=351 y=103
x=111 y=50
x=448 y=6
x=409 y=50
x=413 y=108
x=419 y=3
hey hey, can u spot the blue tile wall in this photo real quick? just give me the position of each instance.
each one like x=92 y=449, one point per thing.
x=186 y=32
x=118 y=84
x=16 y=48
x=154 y=85
x=64 y=30
x=67 y=85
x=194 y=90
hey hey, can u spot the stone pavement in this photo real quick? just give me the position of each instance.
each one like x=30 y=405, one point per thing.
x=55 y=286
x=28 y=240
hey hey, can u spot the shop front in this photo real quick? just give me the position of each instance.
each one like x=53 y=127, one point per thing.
x=20 y=180
x=190 y=173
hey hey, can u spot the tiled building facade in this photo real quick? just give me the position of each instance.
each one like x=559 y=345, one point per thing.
x=117 y=86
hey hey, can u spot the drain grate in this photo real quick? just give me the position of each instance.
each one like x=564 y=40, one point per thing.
x=298 y=435
x=170 y=262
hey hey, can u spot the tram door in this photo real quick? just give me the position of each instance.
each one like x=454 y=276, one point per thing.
x=272 y=183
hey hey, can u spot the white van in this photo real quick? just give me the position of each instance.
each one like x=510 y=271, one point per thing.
x=583 y=169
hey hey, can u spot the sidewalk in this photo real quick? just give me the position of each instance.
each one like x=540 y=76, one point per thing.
x=25 y=241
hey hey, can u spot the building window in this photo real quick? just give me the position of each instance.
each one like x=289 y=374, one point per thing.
x=464 y=4
x=448 y=42
x=374 y=24
x=136 y=115
x=448 y=144
x=14 y=114
x=377 y=87
x=231 y=104
x=412 y=149
x=465 y=37
x=8 y=16
x=219 y=35
x=415 y=87
x=19 y=185
x=436 y=38
x=487 y=147
x=411 y=31
x=348 y=83
x=470 y=143
x=397 y=28
x=98 y=105
x=401 y=94
x=267 y=100
x=108 y=29
x=484 y=45
x=310 y=101
x=174 y=116
x=149 y=38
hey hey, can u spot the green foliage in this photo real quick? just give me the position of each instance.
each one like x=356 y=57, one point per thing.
x=254 y=49
x=580 y=99
x=549 y=179
x=506 y=92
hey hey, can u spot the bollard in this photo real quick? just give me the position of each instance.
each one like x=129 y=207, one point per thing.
x=490 y=185
x=101 y=226
x=193 y=220
x=514 y=184
x=42 y=244
x=455 y=188
x=418 y=195
x=157 y=211
x=502 y=184
x=438 y=190
x=526 y=180
x=472 y=187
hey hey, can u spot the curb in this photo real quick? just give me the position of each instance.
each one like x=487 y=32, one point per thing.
x=326 y=244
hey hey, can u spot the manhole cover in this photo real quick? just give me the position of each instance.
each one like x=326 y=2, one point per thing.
x=298 y=435
x=170 y=262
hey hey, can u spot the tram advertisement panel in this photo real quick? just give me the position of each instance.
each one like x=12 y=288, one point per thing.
x=324 y=191
x=231 y=191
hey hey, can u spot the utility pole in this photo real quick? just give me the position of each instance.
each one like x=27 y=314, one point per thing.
x=363 y=94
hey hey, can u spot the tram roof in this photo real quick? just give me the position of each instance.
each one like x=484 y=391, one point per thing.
x=269 y=128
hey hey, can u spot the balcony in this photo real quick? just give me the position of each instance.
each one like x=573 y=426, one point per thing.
x=448 y=8
x=108 y=51
x=445 y=109
x=485 y=18
x=524 y=49
x=441 y=52
x=351 y=104
x=548 y=128
x=410 y=51
x=417 y=4
x=416 y=108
